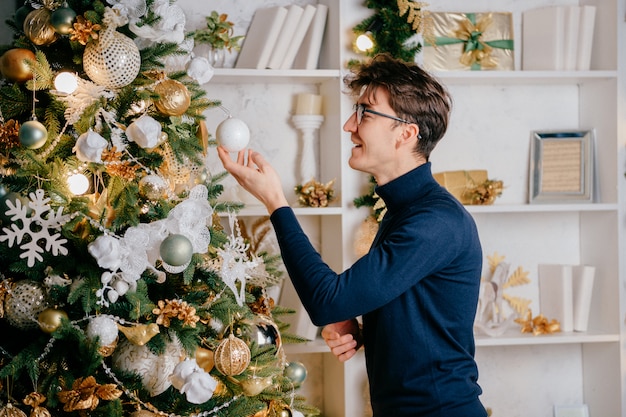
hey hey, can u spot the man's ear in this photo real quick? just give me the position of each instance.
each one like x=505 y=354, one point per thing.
x=409 y=132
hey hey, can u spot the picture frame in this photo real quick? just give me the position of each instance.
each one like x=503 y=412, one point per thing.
x=561 y=166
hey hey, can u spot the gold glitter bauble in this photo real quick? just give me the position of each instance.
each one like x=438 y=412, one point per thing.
x=38 y=28
x=174 y=98
x=13 y=65
x=10 y=411
x=232 y=356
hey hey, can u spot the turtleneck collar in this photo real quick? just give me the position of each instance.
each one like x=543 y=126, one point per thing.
x=407 y=188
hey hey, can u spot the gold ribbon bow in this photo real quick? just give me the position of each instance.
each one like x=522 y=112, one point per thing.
x=476 y=51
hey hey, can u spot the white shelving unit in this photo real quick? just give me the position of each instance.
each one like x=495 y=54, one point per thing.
x=494 y=114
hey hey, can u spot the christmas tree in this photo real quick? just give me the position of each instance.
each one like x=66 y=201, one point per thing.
x=123 y=291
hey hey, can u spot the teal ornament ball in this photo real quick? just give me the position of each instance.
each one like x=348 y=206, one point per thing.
x=33 y=134
x=176 y=250
x=20 y=15
x=295 y=372
x=62 y=20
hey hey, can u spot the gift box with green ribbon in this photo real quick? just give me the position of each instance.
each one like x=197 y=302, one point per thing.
x=469 y=41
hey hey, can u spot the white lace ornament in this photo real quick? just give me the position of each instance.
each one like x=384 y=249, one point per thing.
x=169 y=27
x=89 y=147
x=37 y=226
x=138 y=250
x=145 y=131
x=193 y=381
x=235 y=263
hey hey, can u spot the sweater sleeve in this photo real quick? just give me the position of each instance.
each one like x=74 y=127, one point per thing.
x=412 y=252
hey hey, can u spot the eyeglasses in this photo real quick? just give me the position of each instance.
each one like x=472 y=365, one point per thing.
x=360 y=108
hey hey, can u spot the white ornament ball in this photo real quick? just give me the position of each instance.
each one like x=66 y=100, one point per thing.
x=233 y=134
x=155 y=370
x=104 y=328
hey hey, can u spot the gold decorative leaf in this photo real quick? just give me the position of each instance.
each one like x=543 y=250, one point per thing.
x=520 y=305
x=519 y=277
x=494 y=260
x=108 y=392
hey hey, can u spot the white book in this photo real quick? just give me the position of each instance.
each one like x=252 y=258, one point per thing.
x=582 y=289
x=309 y=53
x=542 y=38
x=294 y=12
x=556 y=294
x=585 y=38
x=298 y=36
x=299 y=323
x=570 y=37
x=261 y=37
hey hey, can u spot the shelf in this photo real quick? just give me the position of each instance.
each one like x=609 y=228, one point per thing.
x=242 y=75
x=542 y=208
x=258 y=210
x=511 y=338
x=315 y=346
x=253 y=76
x=516 y=338
x=523 y=77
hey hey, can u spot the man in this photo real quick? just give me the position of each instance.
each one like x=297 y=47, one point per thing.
x=417 y=287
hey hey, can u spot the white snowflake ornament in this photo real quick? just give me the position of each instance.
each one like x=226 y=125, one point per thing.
x=35 y=228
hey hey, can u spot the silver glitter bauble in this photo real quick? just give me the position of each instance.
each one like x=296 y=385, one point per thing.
x=24 y=303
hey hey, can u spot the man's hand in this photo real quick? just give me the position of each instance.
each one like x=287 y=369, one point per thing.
x=257 y=176
x=343 y=338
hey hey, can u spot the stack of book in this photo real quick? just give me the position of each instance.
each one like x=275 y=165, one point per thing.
x=284 y=38
x=565 y=294
x=558 y=38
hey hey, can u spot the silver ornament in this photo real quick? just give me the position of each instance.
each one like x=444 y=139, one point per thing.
x=33 y=134
x=153 y=187
x=295 y=372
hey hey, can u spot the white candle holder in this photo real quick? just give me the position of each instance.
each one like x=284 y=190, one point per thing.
x=308 y=124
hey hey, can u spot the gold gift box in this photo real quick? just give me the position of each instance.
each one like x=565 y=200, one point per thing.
x=460 y=183
x=469 y=41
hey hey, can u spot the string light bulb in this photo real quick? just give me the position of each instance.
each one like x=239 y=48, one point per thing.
x=78 y=183
x=66 y=82
x=364 y=42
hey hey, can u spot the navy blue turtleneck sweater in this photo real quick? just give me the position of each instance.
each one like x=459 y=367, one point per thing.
x=417 y=290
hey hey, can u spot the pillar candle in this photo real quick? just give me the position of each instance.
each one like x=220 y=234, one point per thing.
x=308 y=103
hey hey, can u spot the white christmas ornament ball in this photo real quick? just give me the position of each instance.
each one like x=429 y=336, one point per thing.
x=103 y=327
x=155 y=370
x=233 y=134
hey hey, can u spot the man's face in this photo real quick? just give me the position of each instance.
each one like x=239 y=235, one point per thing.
x=375 y=148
